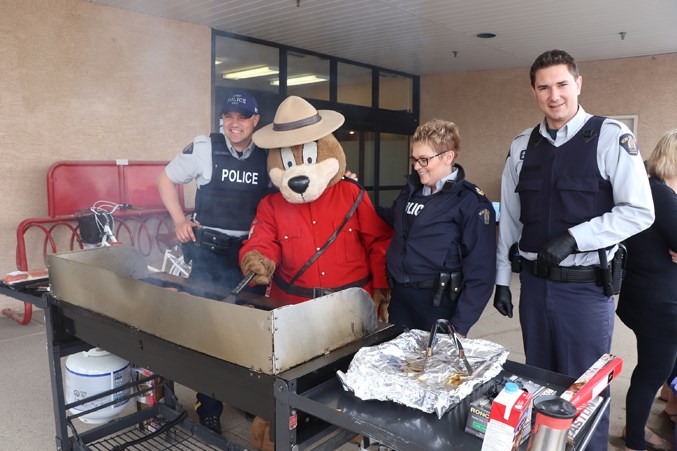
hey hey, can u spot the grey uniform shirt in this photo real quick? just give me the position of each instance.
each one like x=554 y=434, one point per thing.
x=197 y=165
x=427 y=191
x=623 y=167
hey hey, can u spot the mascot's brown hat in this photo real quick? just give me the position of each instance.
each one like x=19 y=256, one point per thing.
x=297 y=122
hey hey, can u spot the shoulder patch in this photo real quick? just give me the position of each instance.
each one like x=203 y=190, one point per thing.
x=485 y=216
x=629 y=143
x=188 y=149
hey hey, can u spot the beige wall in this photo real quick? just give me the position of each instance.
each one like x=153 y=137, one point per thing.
x=491 y=107
x=87 y=82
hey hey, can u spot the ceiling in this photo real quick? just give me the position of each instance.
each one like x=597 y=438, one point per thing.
x=435 y=36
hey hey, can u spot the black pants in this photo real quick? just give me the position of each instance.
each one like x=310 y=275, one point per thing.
x=222 y=270
x=217 y=269
x=656 y=363
x=413 y=307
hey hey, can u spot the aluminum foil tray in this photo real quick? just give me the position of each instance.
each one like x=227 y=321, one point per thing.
x=398 y=371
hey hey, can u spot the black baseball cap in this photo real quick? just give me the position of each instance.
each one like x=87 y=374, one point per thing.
x=241 y=102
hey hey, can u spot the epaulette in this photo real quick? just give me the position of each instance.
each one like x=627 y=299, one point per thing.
x=200 y=140
x=475 y=189
x=525 y=132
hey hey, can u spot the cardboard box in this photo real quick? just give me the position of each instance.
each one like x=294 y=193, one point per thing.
x=593 y=381
x=478 y=417
x=581 y=420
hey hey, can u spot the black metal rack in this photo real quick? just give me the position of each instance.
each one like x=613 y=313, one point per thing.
x=72 y=329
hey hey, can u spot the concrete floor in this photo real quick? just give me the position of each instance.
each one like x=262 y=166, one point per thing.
x=26 y=399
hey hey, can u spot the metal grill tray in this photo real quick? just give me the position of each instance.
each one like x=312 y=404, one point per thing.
x=407 y=429
x=176 y=438
x=171 y=430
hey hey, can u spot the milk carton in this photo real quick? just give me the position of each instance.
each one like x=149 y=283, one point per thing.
x=509 y=419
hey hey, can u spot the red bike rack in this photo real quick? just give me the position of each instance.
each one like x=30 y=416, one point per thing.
x=76 y=185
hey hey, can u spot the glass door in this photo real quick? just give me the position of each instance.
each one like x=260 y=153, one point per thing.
x=378 y=159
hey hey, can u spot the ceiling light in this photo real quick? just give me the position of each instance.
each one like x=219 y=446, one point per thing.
x=251 y=72
x=302 y=80
x=485 y=35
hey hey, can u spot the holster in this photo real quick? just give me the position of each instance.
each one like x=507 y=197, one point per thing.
x=441 y=287
x=449 y=284
x=455 y=285
x=612 y=274
x=515 y=259
x=618 y=267
x=605 y=273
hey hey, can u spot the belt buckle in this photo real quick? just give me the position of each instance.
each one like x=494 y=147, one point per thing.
x=320 y=291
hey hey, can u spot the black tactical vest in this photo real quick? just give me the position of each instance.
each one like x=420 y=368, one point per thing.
x=230 y=199
x=560 y=187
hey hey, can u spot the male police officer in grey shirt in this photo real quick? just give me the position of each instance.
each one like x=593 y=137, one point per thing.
x=232 y=178
x=572 y=185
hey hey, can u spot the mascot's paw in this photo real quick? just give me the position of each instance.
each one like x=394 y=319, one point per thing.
x=262 y=266
x=381 y=301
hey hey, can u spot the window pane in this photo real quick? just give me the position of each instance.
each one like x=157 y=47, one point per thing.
x=354 y=84
x=307 y=76
x=395 y=92
x=393 y=161
x=359 y=150
x=245 y=65
x=386 y=197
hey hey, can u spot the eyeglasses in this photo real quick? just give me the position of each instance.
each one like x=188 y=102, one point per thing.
x=423 y=161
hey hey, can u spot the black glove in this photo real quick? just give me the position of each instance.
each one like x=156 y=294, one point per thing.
x=503 y=300
x=556 y=250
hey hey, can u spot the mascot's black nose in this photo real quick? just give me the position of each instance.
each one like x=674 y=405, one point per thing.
x=299 y=184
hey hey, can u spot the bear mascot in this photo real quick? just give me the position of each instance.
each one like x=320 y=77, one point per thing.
x=320 y=233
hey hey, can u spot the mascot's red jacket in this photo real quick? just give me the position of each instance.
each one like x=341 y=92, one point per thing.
x=294 y=232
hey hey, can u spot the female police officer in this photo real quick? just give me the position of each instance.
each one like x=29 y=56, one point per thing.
x=440 y=259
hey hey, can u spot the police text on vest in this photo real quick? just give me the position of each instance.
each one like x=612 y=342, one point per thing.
x=250 y=178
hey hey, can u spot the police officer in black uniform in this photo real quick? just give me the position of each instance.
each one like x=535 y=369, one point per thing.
x=231 y=176
x=440 y=259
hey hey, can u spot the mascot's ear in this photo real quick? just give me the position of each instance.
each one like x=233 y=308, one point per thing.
x=274 y=159
x=329 y=147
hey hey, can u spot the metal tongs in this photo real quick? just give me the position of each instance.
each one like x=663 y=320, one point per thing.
x=235 y=291
x=445 y=326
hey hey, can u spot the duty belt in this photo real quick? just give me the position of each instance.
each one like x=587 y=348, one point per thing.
x=312 y=293
x=423 y=284
x=563 y=273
